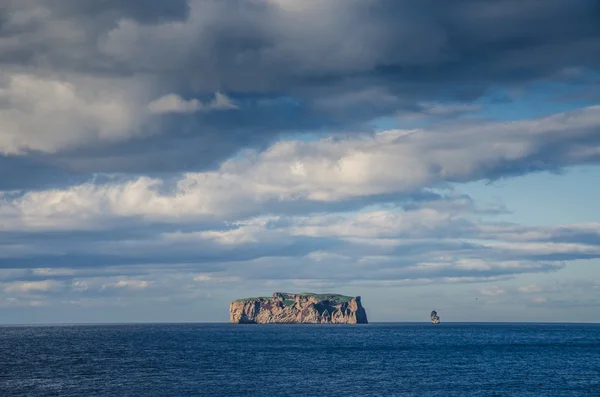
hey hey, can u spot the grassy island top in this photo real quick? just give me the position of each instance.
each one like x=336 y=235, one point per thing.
x=288 y=296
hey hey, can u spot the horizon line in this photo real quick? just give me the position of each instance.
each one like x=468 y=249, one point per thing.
x=228 y=323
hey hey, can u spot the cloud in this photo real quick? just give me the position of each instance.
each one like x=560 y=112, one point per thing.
x=294 y=174
x=216 y=279
x=429 y=241
x=47 y=115
x=103 y=63
x=297 y=201
x=530 y=289
x=282 y=40
x=31 y=286
x=435 y=110
x=491 y=291
x=221 y=102
x=52 y=272
x=16 y=302
x=80 y=286
x=173 y=103
x=129 y=284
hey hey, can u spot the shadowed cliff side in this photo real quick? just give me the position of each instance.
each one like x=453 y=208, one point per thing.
x=304 y=308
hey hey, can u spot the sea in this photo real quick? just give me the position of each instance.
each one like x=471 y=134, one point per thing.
x=385 y=359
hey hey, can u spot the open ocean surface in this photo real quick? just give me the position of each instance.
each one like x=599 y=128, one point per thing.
x=405 y=359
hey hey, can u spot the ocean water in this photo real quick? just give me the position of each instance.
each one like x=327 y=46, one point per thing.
x=301 y=360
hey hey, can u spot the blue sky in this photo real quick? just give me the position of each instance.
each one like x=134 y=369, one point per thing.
x=158 y=162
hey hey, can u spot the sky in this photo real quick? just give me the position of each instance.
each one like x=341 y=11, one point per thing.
x=160 y=159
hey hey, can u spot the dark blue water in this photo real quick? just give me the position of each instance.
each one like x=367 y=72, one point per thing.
x=301 y=360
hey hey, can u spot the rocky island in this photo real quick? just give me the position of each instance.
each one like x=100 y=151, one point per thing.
x=303 y=308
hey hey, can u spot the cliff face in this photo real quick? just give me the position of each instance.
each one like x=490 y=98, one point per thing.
x=305 y=308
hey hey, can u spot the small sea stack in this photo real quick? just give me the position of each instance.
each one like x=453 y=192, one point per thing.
x=435 y=319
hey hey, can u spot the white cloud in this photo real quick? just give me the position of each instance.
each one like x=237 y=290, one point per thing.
x=320 y=256
x=216 y=279
x=48 y=114
x=491 y=291
x=291 y=173
x=31 y=286
x=530 y=289
x=80 y=285
x=203 y=277
x=430 y=240
x=16 y=302
x=53 y=272
x=221 y=102
x=547 y=247
x=173 y=103
x=378 y=223
x=127 y=283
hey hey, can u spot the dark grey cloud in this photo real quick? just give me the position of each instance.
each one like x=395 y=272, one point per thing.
x=145 y=11
x=317 y=67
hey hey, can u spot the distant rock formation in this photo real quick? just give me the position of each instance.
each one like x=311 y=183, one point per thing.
x=434 y=318
x=303 y=308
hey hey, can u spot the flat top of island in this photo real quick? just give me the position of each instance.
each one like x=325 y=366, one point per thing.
x=285 y=295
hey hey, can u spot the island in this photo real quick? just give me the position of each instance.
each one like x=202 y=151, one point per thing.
x=302 y=308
